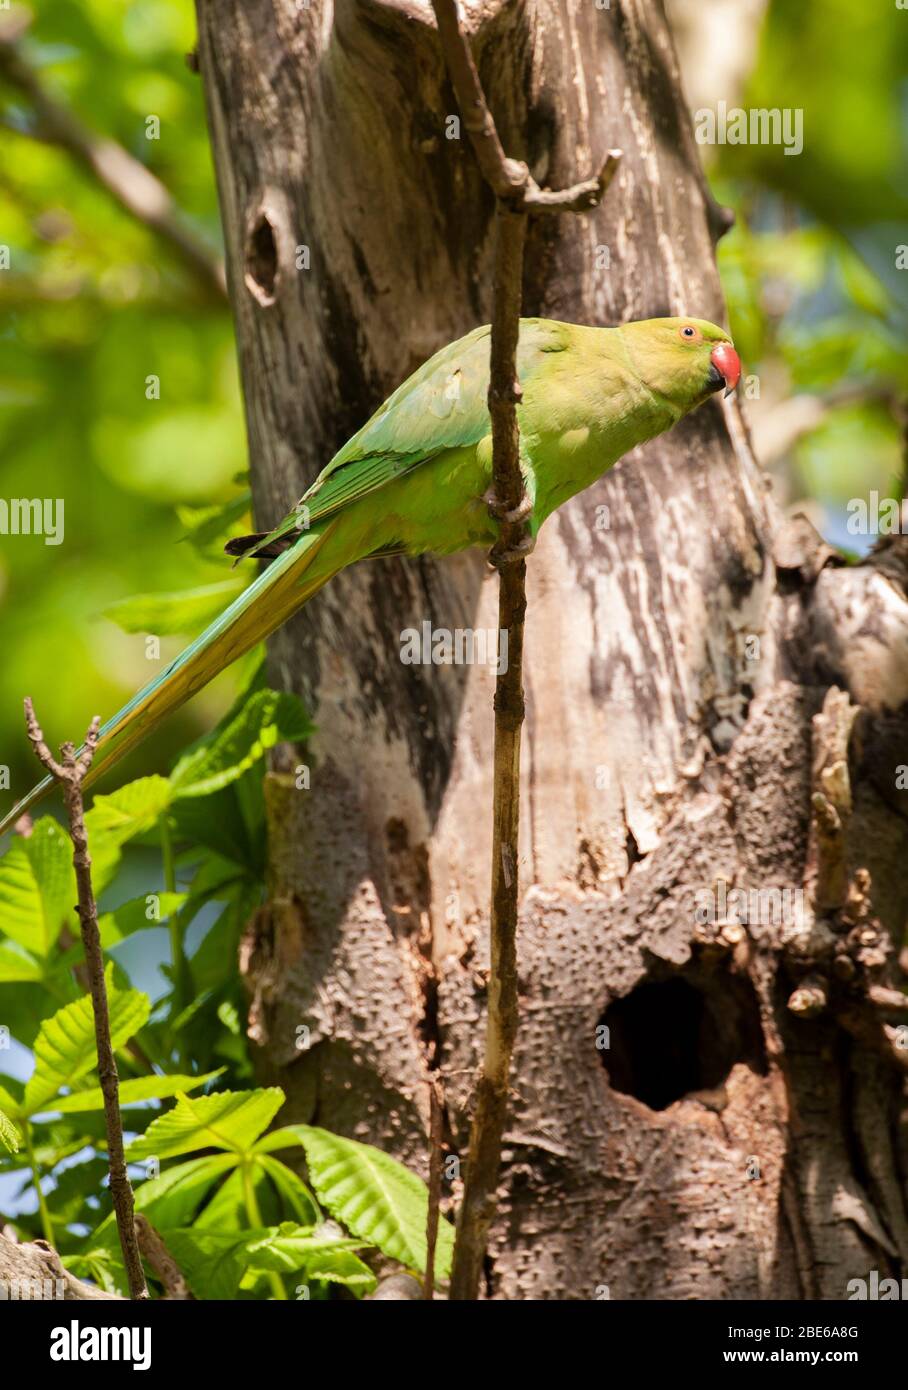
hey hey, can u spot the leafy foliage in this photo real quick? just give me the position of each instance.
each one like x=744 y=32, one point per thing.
x=9 y=1135
x=37 y=888
x=372 y=1194
x=813 y=269
x=376 y=1198
x=267 y=717
x=239 y=1219
x=65 y=1049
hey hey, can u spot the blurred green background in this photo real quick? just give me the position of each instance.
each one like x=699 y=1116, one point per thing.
x=95 y=302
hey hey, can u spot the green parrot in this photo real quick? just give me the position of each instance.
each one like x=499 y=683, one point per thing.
x=417 y=477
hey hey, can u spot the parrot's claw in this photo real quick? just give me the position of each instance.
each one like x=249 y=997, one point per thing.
x=509 y=516
x=510 y=554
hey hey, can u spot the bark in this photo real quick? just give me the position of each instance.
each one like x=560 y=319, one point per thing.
x=33 y=1272
x=681 y=642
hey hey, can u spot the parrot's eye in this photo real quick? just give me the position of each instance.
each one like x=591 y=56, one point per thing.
x=691 y=334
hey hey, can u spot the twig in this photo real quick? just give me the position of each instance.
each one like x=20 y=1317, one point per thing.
x=161 y=1261
x=69 y=774
x=81 y=977
x=517 y=194
x=506 y=177
x=509 y=179
x=436 y=1159
x=481 y=1178
x=580 y=197
x=127 y=180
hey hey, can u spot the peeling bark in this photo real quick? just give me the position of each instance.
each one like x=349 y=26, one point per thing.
x=681 y=643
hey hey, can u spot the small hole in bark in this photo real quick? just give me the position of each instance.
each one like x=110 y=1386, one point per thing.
x=261 y=260
x=671 y=1037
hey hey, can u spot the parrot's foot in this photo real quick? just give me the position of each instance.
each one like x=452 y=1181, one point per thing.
x=509 y=516
x=510 y=554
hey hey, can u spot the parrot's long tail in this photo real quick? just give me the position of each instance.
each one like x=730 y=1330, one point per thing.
x=287 y=583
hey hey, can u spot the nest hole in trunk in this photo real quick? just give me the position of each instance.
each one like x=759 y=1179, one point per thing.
x=681 y=1034
x=262 y=260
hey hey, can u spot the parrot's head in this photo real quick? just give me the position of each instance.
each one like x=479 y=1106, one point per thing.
x=683 y=359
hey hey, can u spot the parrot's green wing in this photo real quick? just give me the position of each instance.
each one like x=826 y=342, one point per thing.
x=441 y=406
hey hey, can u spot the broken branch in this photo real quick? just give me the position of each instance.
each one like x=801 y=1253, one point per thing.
x=161 y=1262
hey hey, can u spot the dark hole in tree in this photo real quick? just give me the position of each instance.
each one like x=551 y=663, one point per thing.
x=261 y=260
x=670 y=1037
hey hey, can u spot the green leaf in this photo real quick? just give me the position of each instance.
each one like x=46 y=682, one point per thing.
x=97 y=1265
x=74 y=1196
x=372 y=1195
x=205 y=525
x=127 y=812
x=8 y=1101
x=172 y=1198
x=37 y=886
x=65 y=1046
x=228 y=1208
x=227 y=1120
x=133 y=916
x=116 y=818
x=290 y=1248
x=9 y=1134
x=286 y=1247
x=341 y=1267
x=293 y=1191
x=17 y=966
x=54 y=1143
x=214 y=963
x=212 y=1261
x=164 y=614
x=217 y=823
x=132 y=1092
x=267 y=718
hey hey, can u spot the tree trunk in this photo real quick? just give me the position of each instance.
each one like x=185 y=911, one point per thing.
x=700 y=674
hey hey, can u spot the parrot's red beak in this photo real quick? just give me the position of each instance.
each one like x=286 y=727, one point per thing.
x=727 y=365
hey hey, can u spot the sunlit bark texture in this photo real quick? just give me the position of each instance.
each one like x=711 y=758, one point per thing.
x=739 y=1136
